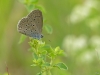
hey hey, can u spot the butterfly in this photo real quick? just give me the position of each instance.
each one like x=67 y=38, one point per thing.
x=31 y=25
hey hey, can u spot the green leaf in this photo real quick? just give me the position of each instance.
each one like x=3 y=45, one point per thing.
x=58 y=51
x=35 y=56
x=61 y=66
x=44 y=52
x=43 y=56
x=40 y=61
x=48 y=28
x=22 y=38
x=46 y=64
x=47 y=48
x=34 y=43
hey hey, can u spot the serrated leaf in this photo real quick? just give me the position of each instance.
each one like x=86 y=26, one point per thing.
x=22 y=38
x=61 y=66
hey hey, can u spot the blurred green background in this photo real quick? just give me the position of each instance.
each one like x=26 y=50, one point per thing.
x=76 y=29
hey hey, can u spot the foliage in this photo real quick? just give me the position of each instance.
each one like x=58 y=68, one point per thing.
x=44 y=56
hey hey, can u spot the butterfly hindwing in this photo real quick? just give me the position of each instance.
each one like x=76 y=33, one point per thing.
x=31 y=25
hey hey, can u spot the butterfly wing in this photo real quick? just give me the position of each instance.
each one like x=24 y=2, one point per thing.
x=37 y=17
x=31 y=25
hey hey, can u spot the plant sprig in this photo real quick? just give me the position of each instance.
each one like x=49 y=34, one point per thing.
x=41 y=52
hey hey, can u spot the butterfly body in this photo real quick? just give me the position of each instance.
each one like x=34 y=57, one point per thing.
x=31 y=25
